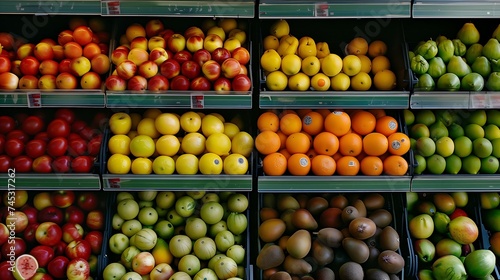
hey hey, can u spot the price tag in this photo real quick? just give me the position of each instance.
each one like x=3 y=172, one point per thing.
x=197 y=101
x=494 y=100
x=113 y=7
x=114 y=183
x=34 y=100
x=478 y=101
x=321 y=10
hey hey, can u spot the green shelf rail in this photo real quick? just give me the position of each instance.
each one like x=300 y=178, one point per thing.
x=360 y=100
x=176 y=182
x=456 y=9
x=455 y=100
x=470 y=183
x=334 y=9
x=177 y=99
x=200 y=8
x=59 y=98
x=78 y=7
x=333 y=184
x=30 y=181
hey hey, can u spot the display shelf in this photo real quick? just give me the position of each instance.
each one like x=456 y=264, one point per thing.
x=56 y=98
x=52 y=181
x=134 y=182
x=179 y=99
x=439 y=100
x=201 y=8
x=334 y=9
x=455 y=9
x=79 y=7
x=470 y=183
x=334 y=99
x=333 y=184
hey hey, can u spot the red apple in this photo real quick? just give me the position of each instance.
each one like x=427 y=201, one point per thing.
x=154 y=27
x=220 y=55
x=119 y=55
x=95 y=239
x=29 y=234
x=21 y=220
x=158 y=83
x=94 y=145
x=194 y=43
x=61 y=164
x=139 y=43
x=58 y=128
x=126 y=69
x=22 y=164
x=72 y=50
x=14 y=147
x=64 y=66
x=72 y=232
x=179 y=82
x=200 y=83
x=190 y=69
x=66 y=81
x=170 y=68
x=95 y=220
x=65 y=36
x=74 y=215
x=244 y=70
x=211 y=70
x=88 y=201
x=4 y=233
x=78 y=249
x=6 y=271
x=158 y=55
x=7 y=124
x=183 y=56
x=41 y=276
x=148 y=69
x=7 y=40
x=57 y=267
x=194 y=31
x=176 y=42
x=241 y=83
x=242 y=55
x=5 y=64
x=14 y=247
x=5 y=163
x=43 y=51
x=138 y=56
x=18 y=134
x=77 y=147
x=212 y=42
x=156 y=42
x=58 y=52
x=62 y=199
x=100 y=64
x=143 y=263
x=31 y=213
x=78 y=269
x=43 y=254
x=230 y=68
x=137 y=83
x=57 y=147
x=48 y=233
x=49 y=67
x=8 y=81
x=82 y=164
x=51 y=214
x=25 y=50
x=91 y=50
x=115 y=83
x=29 y=65
x=166 y=33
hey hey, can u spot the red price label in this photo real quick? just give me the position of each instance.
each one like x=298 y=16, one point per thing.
x=113 y=7
x=494 y=100
x=478 y=101
x=34 y=100
x=197 y=101
x=114 y=183
x=321 y=10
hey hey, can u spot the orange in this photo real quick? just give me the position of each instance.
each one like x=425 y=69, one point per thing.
x=274 y=164
x=495 y=243
x=312 y=123
x=386 y=125
x=338 y=123
x=303 y=112
x=298 y=143
x=268 y=121
x=395 y=165
x=380 y=63
x=376 y=48
x=285 y=153
x=378 y=113
x=350 y=144
x=290 y=123
x=385 y=80
x=375 y=144
x=363 y=122
x=371 y=166
x=326 y=143
x=322 y=165
x=337 y=156
x=299 y=164
x=282 y=139
x=267 y=142
x=399 y=143
x=357 y=46
x=348 y=166
x=324 y=112
x=311 y=153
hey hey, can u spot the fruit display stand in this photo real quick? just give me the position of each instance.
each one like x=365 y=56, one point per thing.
x=489 y=220
x=47 y=162
x=182 y=241
x=207 y=94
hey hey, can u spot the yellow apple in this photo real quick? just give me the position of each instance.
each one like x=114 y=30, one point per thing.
x=164 y=165
x=142 y=146
x=231 y=44
x=168 y=145
x=119 y=164
x=217 y=30
x=212 y=42
x=119 y=144
x=120 y=123
x=190 y=121
x=147 y=127
x=167 y=123
x=42 y=200
x=142 y=166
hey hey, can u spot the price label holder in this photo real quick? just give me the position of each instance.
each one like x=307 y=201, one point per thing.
x=197 y=101
x=114 y=183
x=494 y=98
x=112 y=6
x=321 y=10
x=34 y=99
x=478 y=100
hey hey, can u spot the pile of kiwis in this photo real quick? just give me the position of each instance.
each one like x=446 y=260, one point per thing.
x=327 y=237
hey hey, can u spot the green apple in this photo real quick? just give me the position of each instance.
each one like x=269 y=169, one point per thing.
x=128 y=209
x=185 y=206
x=211 y=212
x=114 y=271
x=237 y=253
x=210 y=197
x=165 y=199
x=124 y=195
x=162 y=212
x=131 y=227
x=196 y=194
x=118 y=242
x=174 y=218
x=223 y=240
x=132 y=275
x=195 y=228
x=117 y=221
x=144 y=203
x=147 y=195
x=148 y=216
x=216 y=228
x=128 y=255
x=237 y=203
x=164 y=229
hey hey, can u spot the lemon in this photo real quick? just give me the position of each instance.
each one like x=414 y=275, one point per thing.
x=218 y=143
x=270 y=60
x=384 y=80
x=366 y=63
x=119 y=144
x=147 y=127
x=193 y=143
x=168 y=145
x=310 y=65
x=351 y=65
x=211 y=124
x=142 y=166
x=299 y=81
x=186 y=164
x=340 y=82
x=164 y=165
x=119 y=164
x=235 y=164
x=167 y=123
x=361 y=81
x=331 y=65
x=142 y=146
x=242 y=143
x=231 y=129
x=320 y=82
x=276 y=81
x=271 y=42
x=190 y=121
x=210 y=164
x=291 y=64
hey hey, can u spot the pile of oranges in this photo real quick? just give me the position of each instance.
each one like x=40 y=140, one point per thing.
x=323 y=143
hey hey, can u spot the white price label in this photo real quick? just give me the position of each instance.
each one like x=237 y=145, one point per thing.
x=197 y=101
x=34 y=100
x=321 y=10
x=113 y=7
x=494 y=100
x=479 y=101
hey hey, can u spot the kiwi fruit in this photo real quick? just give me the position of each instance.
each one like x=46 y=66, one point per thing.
x=376 y=274
x=381 y=217
x=391 y=262
x=362 y=228
x=356 y=249
x=281 y=275
x=325 y=273
x=351 y=271
x=349 y=213
x=374 y=201
x=331 y=237
x=389 y=239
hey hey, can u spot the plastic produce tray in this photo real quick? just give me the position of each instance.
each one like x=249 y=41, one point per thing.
x=394 y=204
